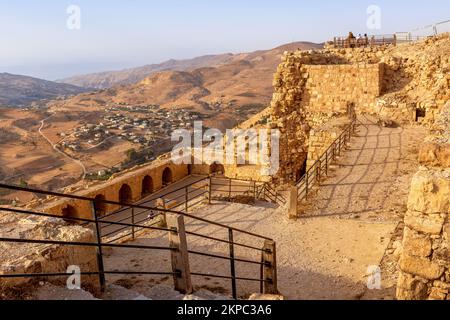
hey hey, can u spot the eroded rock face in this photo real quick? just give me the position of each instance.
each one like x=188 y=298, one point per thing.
x=25 y=258
x=425 y=261
x=436 y=148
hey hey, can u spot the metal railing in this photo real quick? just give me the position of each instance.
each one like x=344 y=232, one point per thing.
x=229 y=187
x=321 y=166
x=394 y=39
x=178 y=245
x=183 y=199
x=369 y=41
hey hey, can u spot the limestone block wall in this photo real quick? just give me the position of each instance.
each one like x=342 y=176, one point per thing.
x=425 y=260
x=435 y=150
x=332 y=88
x=310 y=89
x=319 y=142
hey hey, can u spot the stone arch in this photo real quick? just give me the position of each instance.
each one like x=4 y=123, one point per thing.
x=420 y=113
x=147 y=186
x=69 y=212
x=125 y=194
x=100 y=206
x=301 y=171
x=167 y=176
x=216 y=168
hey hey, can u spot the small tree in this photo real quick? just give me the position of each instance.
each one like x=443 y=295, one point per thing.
x=23 y=183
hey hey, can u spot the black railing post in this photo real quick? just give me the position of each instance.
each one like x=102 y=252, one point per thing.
x=210 y=190
x=229 y=189
x=232 y=264
x=339 y=145
x=307 y=185
x=186 y=198
x=132 y=222
x=318 y=169
x=100 y=265
x=326 y=162
x=335 y=151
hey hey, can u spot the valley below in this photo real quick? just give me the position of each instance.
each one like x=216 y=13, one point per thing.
x=127 y=119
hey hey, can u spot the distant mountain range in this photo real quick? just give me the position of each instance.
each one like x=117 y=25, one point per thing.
x=235 y=79
x=17 y=90
x=232 y=80
x=105 y=80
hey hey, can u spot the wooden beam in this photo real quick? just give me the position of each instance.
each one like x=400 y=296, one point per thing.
x=179 y=256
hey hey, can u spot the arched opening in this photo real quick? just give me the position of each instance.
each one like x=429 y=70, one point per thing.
x=167 y=177
x=420 y=114
x=100 y=205
x=147 y=186
x=216 y=168
x=125 y=195
x=69 y=212
x=301 y=171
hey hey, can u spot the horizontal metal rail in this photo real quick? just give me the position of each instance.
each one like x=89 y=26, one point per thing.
x=222 y=257
x=224 y=241
x=62 y=274
x=227 y=277
x=74 y=197
x=84 y=244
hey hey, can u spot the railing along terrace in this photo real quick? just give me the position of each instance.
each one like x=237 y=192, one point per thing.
x=365 y=41
x=321 y=166
x=178 y=246
x=184 y=199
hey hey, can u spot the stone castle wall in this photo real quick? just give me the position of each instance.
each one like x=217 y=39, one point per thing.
x=425 y=260
x=312 y=88
x=331 y=88
x=322 y=137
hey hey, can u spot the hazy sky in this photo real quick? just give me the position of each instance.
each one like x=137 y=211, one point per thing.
x=113 y=34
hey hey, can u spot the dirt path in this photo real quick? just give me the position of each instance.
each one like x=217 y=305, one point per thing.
x=346 y=227
x=78 y=162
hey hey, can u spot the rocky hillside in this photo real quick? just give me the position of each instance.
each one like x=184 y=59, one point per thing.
x=104 y=80
x=108 y=79
x=17 y=90
x=229 y=80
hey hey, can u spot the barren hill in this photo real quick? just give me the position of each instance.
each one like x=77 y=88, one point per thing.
x=104 y=80
x=17 y=90
x=220 y=81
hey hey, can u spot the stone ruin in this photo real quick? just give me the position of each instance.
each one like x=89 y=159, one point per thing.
x=315 y=95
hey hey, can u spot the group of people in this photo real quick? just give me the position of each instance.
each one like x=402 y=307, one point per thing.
x=359 y=41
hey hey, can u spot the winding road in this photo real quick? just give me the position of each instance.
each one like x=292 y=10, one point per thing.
x=78 y=162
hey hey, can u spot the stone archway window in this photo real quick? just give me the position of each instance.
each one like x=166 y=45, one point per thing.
x=125 y=194
x=69 y=212
x=100 y=205
x=420 y=114
x=167 y=177
x=147 y=186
